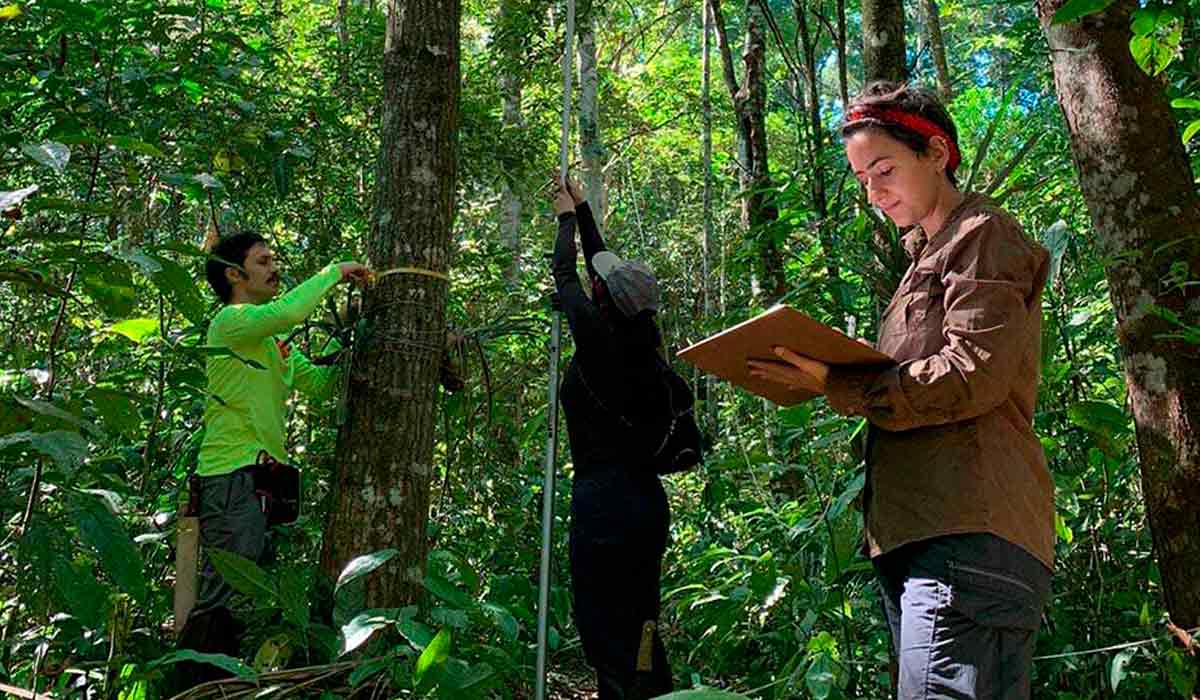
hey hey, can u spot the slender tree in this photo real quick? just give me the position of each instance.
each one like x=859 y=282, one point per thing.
x=749 y=102
x=1137 y=182
x=591 y=145
x=937 y=47
x=385 y=448
x=511 y=86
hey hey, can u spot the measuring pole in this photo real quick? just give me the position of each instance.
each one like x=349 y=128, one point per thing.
x=552 y=408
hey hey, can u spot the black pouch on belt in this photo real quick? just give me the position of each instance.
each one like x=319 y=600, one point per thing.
x=278 y=486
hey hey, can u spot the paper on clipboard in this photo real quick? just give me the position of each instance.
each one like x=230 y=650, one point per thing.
x=726 y=353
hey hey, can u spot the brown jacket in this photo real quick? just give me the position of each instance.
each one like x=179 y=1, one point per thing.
x=951 y=447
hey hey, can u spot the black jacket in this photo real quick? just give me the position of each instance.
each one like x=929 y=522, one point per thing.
x=612 y=384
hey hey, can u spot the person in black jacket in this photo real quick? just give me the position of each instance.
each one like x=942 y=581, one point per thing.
x=619 y=511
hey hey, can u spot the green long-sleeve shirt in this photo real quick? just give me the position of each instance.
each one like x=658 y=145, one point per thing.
x=251 y=414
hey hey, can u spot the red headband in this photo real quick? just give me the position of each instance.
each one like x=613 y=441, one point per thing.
x=915 y=122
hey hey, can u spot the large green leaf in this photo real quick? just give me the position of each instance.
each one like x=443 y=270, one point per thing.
x=434 y=655
x=66 y=448
x=106 y=535
x=227 y=663
x=80 y=592
x=446 y=591
x=136 y=329
x=46 y=408
x=360 y=629
x=244 y=576
x=293 y=598
x=180 y=287
x=363 y=565
x=51 y=154
x=1099 y=417
x=111 y=286
x=118 y=410
x=1117 y=667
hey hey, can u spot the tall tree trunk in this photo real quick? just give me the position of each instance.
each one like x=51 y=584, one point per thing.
x=883 y=40
x=385 y=448
x=706 y=269
x=590 y=144
x=808 y=47
x=843 y=81
x=343 y=33
x=937 y=46
x=1136 y=179
x=749 y=102
x=511 y=118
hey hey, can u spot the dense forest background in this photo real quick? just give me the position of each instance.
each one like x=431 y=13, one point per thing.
x=132 y=130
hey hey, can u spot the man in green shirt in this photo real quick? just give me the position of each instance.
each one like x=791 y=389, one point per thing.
x=247 y=423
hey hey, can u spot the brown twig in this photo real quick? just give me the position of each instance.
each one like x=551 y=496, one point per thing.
x=1191 y=645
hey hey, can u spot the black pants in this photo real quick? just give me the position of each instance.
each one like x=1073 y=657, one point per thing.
x=964 y=612
x=232 y=519
x=619 y=526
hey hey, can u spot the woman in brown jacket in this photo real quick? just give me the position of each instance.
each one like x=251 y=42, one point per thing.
x=959 y=505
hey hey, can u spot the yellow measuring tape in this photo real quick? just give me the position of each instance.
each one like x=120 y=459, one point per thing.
x=409 y=271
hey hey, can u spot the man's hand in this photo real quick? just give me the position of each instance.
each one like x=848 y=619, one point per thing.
x=795 y=372
x=356 y=272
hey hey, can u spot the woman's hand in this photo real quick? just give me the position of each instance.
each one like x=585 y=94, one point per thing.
x=563 y=202
x=795 y=372
x=576 y=192
x=355 y=272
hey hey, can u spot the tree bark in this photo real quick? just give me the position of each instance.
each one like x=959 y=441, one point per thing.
x=1136 y=179
x=843 y=81
x=385 y=448
x=511 y=86
x=937 y=46
x=591 y=145
x=708 y=387
x=883 y=41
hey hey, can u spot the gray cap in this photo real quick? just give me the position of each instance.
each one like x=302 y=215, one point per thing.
x=631 y=284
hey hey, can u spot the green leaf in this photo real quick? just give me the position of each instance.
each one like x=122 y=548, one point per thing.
x=819 y=677
x=244 y=576
x=1116 y=670
x=104 y=533
x=1099 y=417
x=361 y=566
x=446 y=591
x=1062 y=530
x=180 y=287
x=227 y=663
x=1144 y=21
x=10 y=199
x=80 y=592
x=131 y=144
x=118 y=410
x=136 y=329
x=1190 y=131
x=46 y=408
x=66 y=448
x=1182 y=671
x=417 y=633
x=51 y=154
x=702 y=694
x=434 y=655
x=369 y=669
x=293 y=598
x=461 y=676
x=1177 y=103
x=10 y=12
x=504 y=620
x=359 y=630
x=1057 y=239
x=111 y=286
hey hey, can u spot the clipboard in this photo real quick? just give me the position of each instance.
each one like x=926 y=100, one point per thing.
x=726 y=353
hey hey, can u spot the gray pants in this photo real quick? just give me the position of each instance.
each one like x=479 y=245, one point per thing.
x=232 y=519
x=964 y=611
